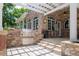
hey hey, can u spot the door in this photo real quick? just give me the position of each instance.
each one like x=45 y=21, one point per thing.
x=54 y=29
x=58 y=28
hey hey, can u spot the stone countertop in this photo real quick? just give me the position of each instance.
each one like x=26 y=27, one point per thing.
x=70 y=48
x=69 y=42
x=3 y=32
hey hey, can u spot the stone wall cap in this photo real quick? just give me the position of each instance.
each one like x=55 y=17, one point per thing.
x=69 y=42
x=3 y=32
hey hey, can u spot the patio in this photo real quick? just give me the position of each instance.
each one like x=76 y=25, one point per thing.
x=46 y=47
x=32 y=50
x=31 y=42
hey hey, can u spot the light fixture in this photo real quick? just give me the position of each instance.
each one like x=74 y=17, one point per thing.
x=45 y=21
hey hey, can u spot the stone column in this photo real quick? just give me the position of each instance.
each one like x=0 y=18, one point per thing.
x=73 y=22
x=1 y=6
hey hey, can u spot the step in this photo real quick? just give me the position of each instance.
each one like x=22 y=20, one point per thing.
x=55 y=48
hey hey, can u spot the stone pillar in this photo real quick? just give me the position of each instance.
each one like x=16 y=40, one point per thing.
x=1 y=6
x=73 y=22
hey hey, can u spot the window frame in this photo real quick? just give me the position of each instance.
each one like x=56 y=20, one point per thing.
x=35 y=23
x=52 y=20
x=65 y=27
x=25 y=24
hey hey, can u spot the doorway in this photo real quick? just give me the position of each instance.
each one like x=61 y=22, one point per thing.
x=53 y=29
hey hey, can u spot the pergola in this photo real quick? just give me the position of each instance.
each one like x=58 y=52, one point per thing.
x=47 y=8
x=44 y=8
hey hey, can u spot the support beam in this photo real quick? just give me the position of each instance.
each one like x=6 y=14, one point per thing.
x=73 y=21
x=1 y=6
x=38 y=7
x=58 y=8
x=29 y=7
x=46 y=5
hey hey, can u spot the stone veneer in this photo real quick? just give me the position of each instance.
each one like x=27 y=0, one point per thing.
x=18 y=37
x=70 y=48
x=14 y=38
x=30 y=37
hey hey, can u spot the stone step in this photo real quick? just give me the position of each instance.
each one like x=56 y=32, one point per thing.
x=48 y=43
x=55 y=48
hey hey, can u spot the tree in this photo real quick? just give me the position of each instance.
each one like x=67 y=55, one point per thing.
x=11 y=13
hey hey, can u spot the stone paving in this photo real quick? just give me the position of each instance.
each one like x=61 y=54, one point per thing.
x=32 y=50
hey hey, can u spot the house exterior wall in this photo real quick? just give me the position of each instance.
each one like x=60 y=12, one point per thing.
x=58 y=16
x=32 y=15
x=62 y=16
x=37 y=34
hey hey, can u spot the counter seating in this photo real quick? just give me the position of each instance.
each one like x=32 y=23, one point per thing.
x=30 y=37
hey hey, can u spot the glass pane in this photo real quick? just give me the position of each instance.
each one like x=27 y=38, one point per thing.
x=49 y=24
x=21 y=25
x=29 y=24
x=33 y=25
x=67 y=24
x=24 y=24
x=37 y=24
x=53 y=23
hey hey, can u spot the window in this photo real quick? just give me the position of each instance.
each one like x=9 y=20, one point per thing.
x=35 y=23
x=24 y=24
x=21 y=24
x=29 y=24
x=66 y=25
x=18 y=25
x=51 y=24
